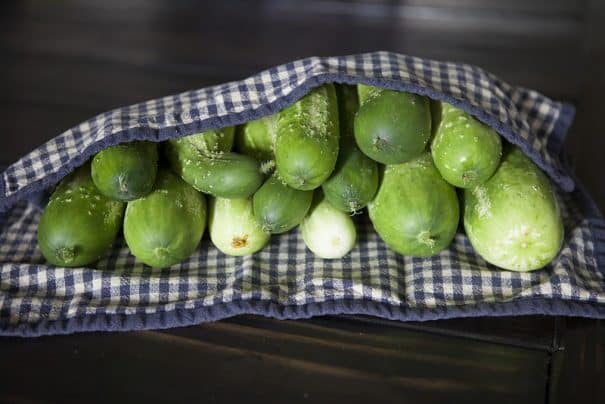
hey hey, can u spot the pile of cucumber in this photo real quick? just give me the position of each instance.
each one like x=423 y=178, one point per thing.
x=418 y=166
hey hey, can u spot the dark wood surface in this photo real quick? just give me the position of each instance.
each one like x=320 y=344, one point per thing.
x=64 y=61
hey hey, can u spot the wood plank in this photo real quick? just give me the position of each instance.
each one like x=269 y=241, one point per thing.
x=226 y=361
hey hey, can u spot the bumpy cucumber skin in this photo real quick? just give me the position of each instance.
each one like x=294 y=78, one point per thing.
x=126 y=171
x=212 y=142
x=256 y=138
x=227 y=175
x=79 y=224
x=166 y=226
x=233 y=228
x=354 y=180
x=306 y=146
x=465 y=151
x=393 y=127
x=415 y=211
x=513 y=220
x=278 y=207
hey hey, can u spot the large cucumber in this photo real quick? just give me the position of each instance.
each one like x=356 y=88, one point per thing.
x=328 y=232
x=212 y=142
x=227 y=175
x=415 y=211
x=392 y=127
x=233 y=228
x=513 y=219
x=126 y=171
x=465 y=151
x=256 y=138
x=355 y=179
x=306 y=146
x=166 y=226
x=79 y=224
x=279 y=207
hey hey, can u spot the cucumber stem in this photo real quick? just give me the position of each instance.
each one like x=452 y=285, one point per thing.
x=161 y=252
x=66 y=254
x=425 y=238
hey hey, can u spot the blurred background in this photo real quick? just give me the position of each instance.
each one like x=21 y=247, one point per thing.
x=65 y=61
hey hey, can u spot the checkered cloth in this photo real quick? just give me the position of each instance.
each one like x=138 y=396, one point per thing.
x=285 y=280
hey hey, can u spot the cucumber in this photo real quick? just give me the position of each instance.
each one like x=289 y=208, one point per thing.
x=256 y=138
x=212 y=142
x=415 y=211
x=355 y=178
x=227 y=175
x=465 y=151
x=126 y=171
x=306 y=146
x=513 y=219
x=166 y=226
x=328 y=232
x=233 y=228
x=79 y=224
x=278 y=207
x=392 y=127
x=365 y=91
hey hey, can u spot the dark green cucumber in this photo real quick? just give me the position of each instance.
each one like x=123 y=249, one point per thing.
x=126 y=171
x=306 y=146
x=256 y=138
x=212 y=142
x=415 y=211
x=278 y=207
x=226 y=175
x=392 y=127
x=465 y=151
x=166 y=226
x=79 y=224
x=355 y=179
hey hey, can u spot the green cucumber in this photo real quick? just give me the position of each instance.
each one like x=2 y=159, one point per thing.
x=392 y=127
x=79 y=224
x=233 y=228
x=126 y=171
x=227 y=175
x=415 y=211
x=355 y=179
x=513 y=219
x=306 y=146
x=465 y=151
x=256 y=138
x=279 y=207
x=328 y=232
x=212 y=142
x=166 y=226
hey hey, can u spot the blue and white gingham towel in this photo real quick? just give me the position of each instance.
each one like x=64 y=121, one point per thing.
x=285 y=280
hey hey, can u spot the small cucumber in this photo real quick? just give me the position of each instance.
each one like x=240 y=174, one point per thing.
x=415 y=211
x=126 y=171
x=233 y=228
x=166 y=226
x=306 y=146
x=465 y=151
x=278 y=207
x=355 y=179
x=392 y=127
x=79 y=224
x=227 y=175
x=256 y=138
x=328 y=232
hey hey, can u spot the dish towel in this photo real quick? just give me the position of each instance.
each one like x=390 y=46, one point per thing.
x=285 y=280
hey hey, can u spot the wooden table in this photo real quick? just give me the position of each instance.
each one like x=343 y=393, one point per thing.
x=65 y=61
